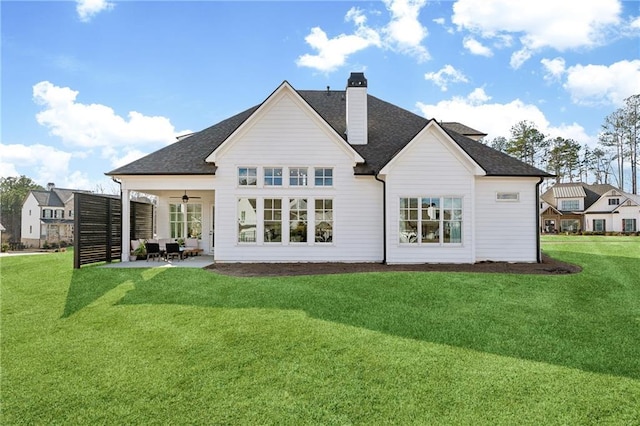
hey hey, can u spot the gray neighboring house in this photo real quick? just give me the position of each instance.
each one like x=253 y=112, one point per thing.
x=47 y=216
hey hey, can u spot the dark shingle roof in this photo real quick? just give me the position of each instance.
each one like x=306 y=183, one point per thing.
x=391 y=128
x=47 y=198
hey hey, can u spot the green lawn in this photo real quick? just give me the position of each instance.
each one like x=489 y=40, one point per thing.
x=176 y=346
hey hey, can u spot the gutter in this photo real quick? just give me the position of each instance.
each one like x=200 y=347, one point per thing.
x=384 y=218
x=538 y=250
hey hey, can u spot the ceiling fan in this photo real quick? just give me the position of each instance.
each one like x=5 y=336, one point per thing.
x=185 y=198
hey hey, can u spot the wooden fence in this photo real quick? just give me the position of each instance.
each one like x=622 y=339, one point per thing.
x=98 y=227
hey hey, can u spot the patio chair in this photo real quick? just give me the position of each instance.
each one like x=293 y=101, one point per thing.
x=173 y=251
x=153 y=251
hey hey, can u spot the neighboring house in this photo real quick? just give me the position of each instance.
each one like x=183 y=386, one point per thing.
x=615 y=211
x=339 y=176
x=47 y=216
x=2 y=229
x=568 y=207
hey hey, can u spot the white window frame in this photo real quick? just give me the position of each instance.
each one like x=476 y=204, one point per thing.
x=326 y=215
x=241 y=220
x=298 y=180
x=273 y=210
x=273 y=176
x=247 y=177
x=508 y=197
x=323 y=177
x=417 y=240
x=562 y=205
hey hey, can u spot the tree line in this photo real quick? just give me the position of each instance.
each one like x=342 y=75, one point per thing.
x=13 y=191
x=571 y=161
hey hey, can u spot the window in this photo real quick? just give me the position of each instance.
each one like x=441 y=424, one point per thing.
x=599 y=225
x=570 y=205
x=194 y=221
x=273 y=176
x=29 y=212
x=47 y=213
x=452 y=215
x=298 y=220
x=507 y=196
x=324 y=221
x=58 y=214
x=437 y=220
x=569 y=225
x=272 y=220
x=70 y=213
x=629 y=225
x=430 y=220
x=614 y=201
x=176 y=220
x=324 y=177
x=247 y=220
x=408 y=220
x=247 y=176
x=31 y=229
x=298 y=176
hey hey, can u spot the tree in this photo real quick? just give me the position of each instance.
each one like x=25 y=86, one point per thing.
x=13 y=191
x=498 y=143
x=564 y=159
x=527 y=143
x=631 y=115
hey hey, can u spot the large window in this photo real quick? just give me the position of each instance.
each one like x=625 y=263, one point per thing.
x=569 y=225
x=176 y=220
x=273 y=176
x=247 y=176
x=629 y=225
x=194 y=221
x=430 y=220
x=298 y=176
x=570 y=205
x=298 y=220
x=272 y=220
x=247 y=220
x=185 y=220
x=599 y=225
x=323 y=177
x=324 y=221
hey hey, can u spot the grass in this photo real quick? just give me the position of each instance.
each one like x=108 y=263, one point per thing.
x=131 y=346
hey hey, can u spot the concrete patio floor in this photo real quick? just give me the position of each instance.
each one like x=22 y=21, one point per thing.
x=189 y=262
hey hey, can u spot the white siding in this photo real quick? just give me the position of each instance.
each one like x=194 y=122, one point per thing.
x=287 y=135
x=430 y=166
x=30 y=222
x=506 y=230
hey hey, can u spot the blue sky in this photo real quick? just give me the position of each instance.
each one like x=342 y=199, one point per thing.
x=91 y=85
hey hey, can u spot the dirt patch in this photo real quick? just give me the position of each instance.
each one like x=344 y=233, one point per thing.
x=549 y=266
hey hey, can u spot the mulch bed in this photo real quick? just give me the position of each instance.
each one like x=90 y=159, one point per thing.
x=549 y=266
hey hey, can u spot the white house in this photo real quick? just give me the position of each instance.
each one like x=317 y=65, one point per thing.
x=614 y=211
x=339 y=176
x=47 y=216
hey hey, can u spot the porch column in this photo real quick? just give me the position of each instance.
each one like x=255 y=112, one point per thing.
x=126 y=225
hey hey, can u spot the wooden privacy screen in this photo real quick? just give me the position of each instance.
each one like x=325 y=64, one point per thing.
x=98 y=227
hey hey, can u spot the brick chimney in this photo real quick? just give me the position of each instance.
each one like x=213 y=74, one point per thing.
x=357 y=109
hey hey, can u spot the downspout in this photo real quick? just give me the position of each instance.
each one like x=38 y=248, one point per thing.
x=538 y=251
x=384 y=218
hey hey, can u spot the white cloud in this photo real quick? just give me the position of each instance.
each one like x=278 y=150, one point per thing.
x=45 y=163
x=87 y=9
x=333 y=53
x=446 y=75
x=95 y=125
x=601 y=84
x=403 y=33
x=554 y=68
x=496 y=119
x=477 y=48
x=561 y=25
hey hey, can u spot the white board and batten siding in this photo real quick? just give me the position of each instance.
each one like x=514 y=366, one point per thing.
x=430 y=167
x=506 y=227
x=286 y=134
